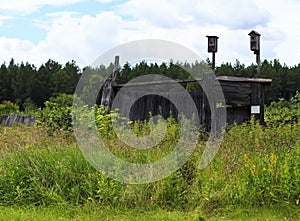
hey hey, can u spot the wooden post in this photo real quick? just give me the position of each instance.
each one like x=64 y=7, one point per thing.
x=208 y=103
x=260 y=91
x=258 y=63
x=108 y=90
x=115 y=69
x=262 y=104
x=257 y=95
x=213 y=60
x=257 y=102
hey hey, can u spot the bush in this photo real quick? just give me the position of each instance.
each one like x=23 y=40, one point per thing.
x=284 y=111
x=57 y=113
x=7 y=107
x=29 y=107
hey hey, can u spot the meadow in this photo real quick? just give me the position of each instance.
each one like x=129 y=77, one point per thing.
x=254 y=176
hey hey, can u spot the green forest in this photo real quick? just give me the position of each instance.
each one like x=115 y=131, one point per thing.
x=29 y=86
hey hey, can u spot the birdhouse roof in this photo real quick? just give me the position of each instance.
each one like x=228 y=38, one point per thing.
x=212 y=36
x=254 y=33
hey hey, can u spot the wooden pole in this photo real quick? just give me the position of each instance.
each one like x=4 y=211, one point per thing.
x=108 y=87
x=260 y=90
x=208 y=111
x=115 y=69
x=213 y=60
x=258 y=63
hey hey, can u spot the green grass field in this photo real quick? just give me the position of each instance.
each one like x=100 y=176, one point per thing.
x=254 y=176
x=68 y=212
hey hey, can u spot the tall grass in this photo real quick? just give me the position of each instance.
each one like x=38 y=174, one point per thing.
x=255 y=166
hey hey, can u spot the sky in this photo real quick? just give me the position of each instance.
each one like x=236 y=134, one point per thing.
x=35 y=31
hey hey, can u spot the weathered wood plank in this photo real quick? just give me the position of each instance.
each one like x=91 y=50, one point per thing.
x=137 y=84
x=221 y=79
x=243 y=79
x=234 y=101
x=234 y=89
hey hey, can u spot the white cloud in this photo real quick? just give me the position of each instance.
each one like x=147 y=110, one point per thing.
x=4 y=18
x=283 y=30
x=157 y=12
x=234 y=14
x=105 y=1
x=18 y=49
x=83 y=38
x=30 y=6
x=189 y=22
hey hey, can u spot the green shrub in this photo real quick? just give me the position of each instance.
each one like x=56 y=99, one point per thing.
x=30 y=108
x=7 y=107
x=284 y=111
x=57 y=113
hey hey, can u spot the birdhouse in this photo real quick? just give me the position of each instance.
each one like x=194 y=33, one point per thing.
x=254 y=41
x=212 y=43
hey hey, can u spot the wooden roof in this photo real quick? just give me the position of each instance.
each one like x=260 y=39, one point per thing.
x=263 y=81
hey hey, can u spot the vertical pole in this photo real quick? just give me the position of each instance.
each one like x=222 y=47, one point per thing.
x=206 y=114
x=260 y=91
x=213 y=60
x=116 y=66
x=108 y=87
x=262 y=107
x=255 y=101
x=208 y=103
x=211 y=96
x=258 y=63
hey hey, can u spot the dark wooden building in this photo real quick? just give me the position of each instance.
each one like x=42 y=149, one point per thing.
x=238 y=97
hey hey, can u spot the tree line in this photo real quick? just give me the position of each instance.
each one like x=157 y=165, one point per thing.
x=24 y=84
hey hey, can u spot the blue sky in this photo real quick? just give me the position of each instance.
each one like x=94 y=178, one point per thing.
x=82 y=30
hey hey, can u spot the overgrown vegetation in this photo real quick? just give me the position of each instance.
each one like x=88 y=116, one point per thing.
x=56 y=115
x=287 y=111
x=256 y=166
x=7 y=107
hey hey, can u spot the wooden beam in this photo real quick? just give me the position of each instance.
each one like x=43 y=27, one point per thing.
x=263 y=81
x=137 y=84
x=245 y=80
